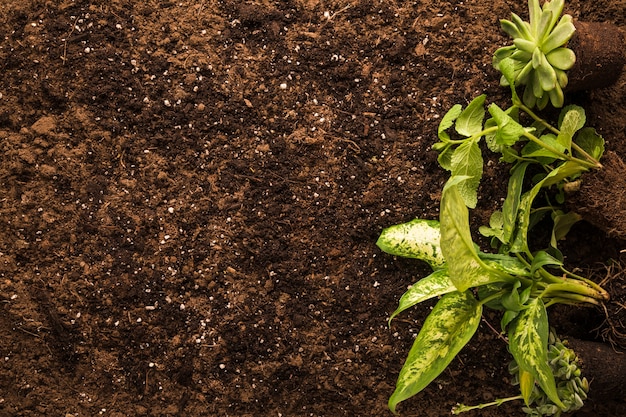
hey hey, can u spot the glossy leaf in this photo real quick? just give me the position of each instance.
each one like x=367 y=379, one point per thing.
x=418 y=239
x=450 y=325
x=436 y=284
x=528 y=343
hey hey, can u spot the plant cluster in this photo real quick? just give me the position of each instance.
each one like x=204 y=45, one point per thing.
x=546 y=160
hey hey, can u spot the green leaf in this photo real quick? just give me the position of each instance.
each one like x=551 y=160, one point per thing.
x=592 y=143
x=447 y=121
x=556 y=7
x=520 y=240
x=534 y=150
x=470 y=121
x=528 y=342
x=534 y=15
x=561 y=58
x=512 y=200
x=495 y=226
x=450 y=325
x=543 y=28
x=511 y=301
x=509 y=131
x=572 y=117
x=571 y=120
x=543 y=258
x=510 y=28
x=522 y=26
x=467 y=161
x=437 y=283
x=418 y=239
x=464 y=267
x=545 y=72
x=563 y=222
x=445 y=157
x=525 y=45
x=560 y=35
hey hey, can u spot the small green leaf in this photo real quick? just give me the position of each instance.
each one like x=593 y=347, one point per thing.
x=528 y=342
x=592 y=143
x=511 y=300
x=563 y=222
x=510 y=28
x=470 y=121
x=543 y=258
x=447 y=121
x=418 y=239
x=534 y=15
x=534 y=150
x=522 y=26
x=525 y=45
x=509 y=131
x=571 y=120
x=450 y=325
x=467 y=161
x=437 y=283
x=543 y=28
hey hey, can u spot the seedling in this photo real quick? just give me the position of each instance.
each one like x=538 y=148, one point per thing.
x=539 y=52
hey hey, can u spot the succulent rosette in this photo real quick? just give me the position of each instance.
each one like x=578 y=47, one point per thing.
x=539 y=52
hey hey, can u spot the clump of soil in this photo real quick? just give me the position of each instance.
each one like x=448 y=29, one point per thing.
x=601 y=199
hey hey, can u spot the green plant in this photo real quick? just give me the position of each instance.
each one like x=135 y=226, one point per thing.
x=539 y=52
x=518 y=280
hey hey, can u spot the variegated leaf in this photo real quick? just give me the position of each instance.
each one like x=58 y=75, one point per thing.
x=418 y=239
x=450 y=325
x=437 y=283
x=528 y=342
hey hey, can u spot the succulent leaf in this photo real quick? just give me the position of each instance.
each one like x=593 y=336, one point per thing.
x=561 y=58
x=560 y=35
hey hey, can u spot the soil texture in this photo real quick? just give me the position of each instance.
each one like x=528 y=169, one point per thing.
x=191 y=192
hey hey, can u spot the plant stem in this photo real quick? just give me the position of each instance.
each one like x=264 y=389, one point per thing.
x=585 y=163
x=461 y=408
x=525 y=109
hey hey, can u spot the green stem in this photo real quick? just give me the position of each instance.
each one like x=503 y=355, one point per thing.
x=462 y=408
x=585 y=163
x=474 y=137
x=525 y=109
x=574 y=289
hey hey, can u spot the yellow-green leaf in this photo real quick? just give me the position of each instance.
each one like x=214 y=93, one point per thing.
x=451 y=324
x=528 y=343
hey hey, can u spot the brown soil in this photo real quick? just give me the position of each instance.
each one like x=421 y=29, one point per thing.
x=191 y=192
